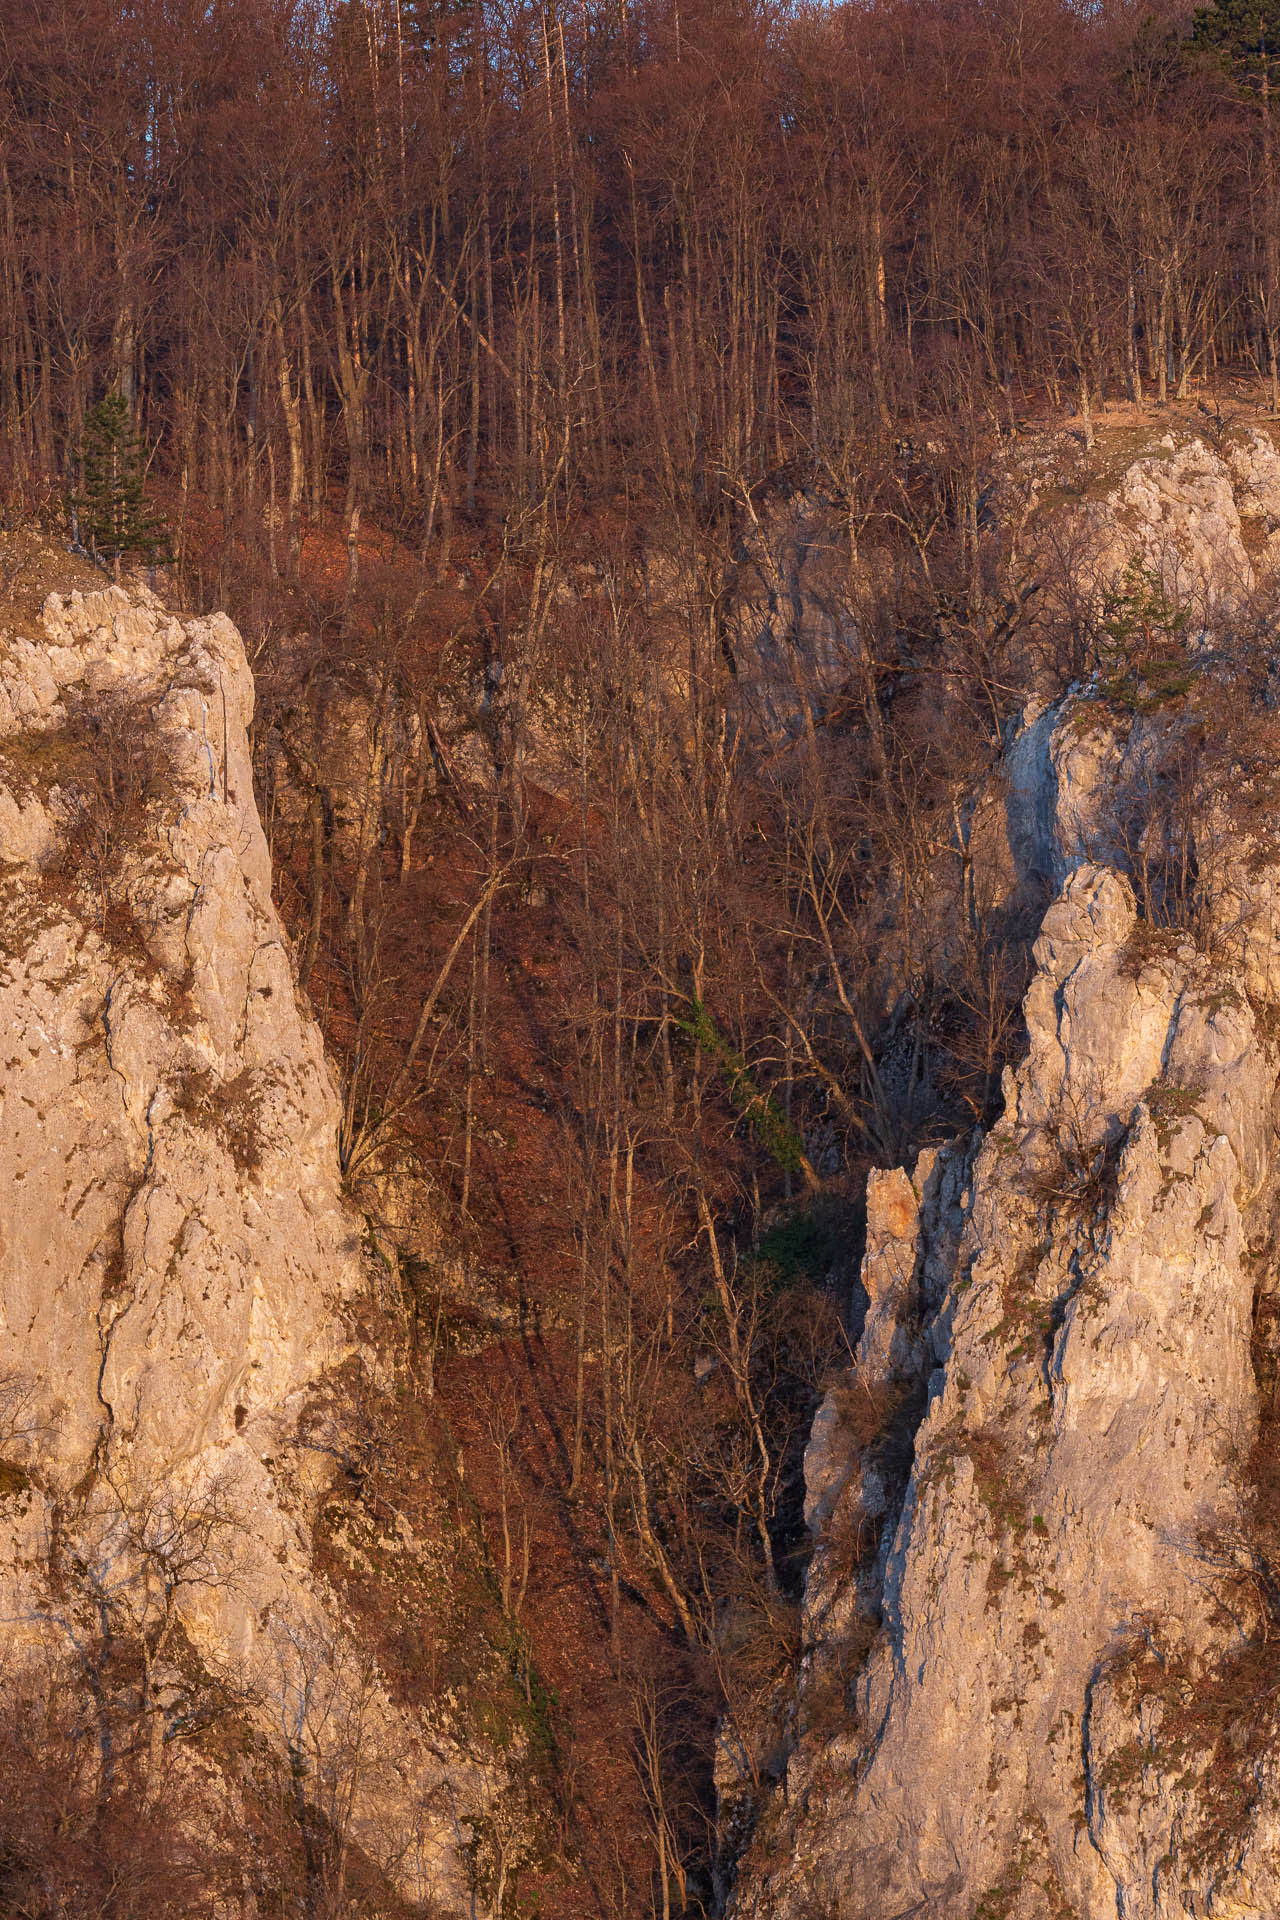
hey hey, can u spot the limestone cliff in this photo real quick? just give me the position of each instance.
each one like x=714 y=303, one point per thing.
x=1039 y=1674
x=177 y=1260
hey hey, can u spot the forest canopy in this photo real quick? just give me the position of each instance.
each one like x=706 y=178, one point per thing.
x=437 y=256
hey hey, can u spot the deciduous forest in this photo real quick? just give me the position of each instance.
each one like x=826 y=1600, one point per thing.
x=587 y=413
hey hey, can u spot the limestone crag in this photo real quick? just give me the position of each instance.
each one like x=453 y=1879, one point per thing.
x=1075 y=1476
x=1199 y=511
x=177 y=1257
x=1036 y=1681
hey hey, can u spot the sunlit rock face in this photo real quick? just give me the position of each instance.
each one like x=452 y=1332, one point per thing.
x=166 y=1112
x=177 y=1259
x=1036 y=1678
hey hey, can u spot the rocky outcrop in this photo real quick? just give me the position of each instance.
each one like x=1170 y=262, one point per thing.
x=166 y=1107
x=1039 y=1679
x=1198 y=511
x=177 y=1259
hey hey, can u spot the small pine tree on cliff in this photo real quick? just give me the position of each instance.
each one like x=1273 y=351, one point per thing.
x=114 y=517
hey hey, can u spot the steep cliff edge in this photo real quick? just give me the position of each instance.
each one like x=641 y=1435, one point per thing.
x=178 y=1266
x=1040 y=1675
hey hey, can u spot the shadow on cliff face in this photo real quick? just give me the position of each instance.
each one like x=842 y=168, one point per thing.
x=118 y=781
x=107 y=777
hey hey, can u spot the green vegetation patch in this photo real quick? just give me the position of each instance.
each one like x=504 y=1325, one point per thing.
x=801 y=1246
x=758 y=1107
x=1146 y=659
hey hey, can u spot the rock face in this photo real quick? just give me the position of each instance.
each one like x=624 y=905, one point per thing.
x=176 y=1256
x=1038 y=1679
x=163 y=1104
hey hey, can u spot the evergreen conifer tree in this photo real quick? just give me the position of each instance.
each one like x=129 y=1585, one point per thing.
x=114 y=517
x=1245 y=35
